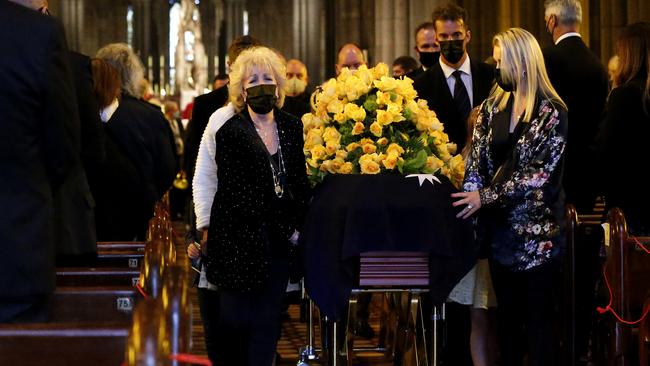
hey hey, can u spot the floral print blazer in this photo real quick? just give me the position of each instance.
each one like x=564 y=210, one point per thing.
x=525 y=191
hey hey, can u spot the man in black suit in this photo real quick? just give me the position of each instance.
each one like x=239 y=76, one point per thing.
x=74 y=203
x=426 y=48
x=450 y=99
x=38 y=145
x=581 y=81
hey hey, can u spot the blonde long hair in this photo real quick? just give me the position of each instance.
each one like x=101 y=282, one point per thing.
x=522 y=63
x=264 y=58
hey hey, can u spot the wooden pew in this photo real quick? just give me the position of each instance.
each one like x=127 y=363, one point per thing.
x=120 y=258
x=627 y=273
x=96 y=277
x=62 y=344
x=106 y=246
x=93 y=304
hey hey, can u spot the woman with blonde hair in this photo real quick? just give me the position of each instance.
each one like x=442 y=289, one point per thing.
x=258 y=207
x=512 y=183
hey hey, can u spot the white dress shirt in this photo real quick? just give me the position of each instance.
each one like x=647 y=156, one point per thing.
x=567 y=35
x=465 y=76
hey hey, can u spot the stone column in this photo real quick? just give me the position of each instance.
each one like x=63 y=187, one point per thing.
x=309 y=37
x=392 y=31
x=234 y=18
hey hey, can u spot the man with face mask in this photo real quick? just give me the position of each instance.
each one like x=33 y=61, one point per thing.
x=454 y=84
x=581 y=81
x=426 y=48
x=296 y=101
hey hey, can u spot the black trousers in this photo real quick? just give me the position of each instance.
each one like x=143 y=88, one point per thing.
x=525 y=302
x=209 y=307
x=249 y=324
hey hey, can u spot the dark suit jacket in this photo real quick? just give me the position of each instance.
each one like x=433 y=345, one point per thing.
x=142 y=134
x=204 y=106
x=624 y=155
x=74 y=203
x=432 y=86
x=581 y=81
x=36 y=147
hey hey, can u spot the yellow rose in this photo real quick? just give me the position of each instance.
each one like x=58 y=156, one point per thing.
x=335 y=106
x=318 y=152
x=440 y=138
x=376 y=129
x=405 y=88
x=368 y=164
x=353 y=146
x=423 y=104
x=395 y=111
x=354 y=88
x=331 y=134
x=381 y=69
x=437 y=125
x=312 y=163
x=383 y=98
x=368 y=148
x=331 y=166
x=452 y=147
x=358 y=128
x=314 y=137
x=382 y=141
x=365 y=75
x=354 y=112
x=345 y=168
x=433 y=164
x=395 y=149
x=339 y=117
x=412 y=106
x=384 y=118
x=386 y=83
x=332 y=147
x=457 y=168
x=341 y=154
x=366 y=140
x=390 y=161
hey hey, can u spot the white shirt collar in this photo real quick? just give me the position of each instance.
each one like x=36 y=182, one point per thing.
x=567 y=35
x=106 y=113
x=448 y=70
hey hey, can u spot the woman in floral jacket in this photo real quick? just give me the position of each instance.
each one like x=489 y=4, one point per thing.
x=513 y=175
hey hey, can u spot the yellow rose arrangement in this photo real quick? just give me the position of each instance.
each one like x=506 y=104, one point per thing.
x=369 y=123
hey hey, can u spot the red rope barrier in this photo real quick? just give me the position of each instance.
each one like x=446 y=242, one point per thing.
x=141 y=290
x=611 y=296
x=193 y=359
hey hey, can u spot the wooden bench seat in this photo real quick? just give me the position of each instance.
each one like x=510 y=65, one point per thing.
x=93 y=304
x=120 y=258
x=63 y=344
x=96 y=276
x=120 y=246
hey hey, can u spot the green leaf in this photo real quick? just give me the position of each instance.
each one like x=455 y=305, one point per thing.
x=415 y=164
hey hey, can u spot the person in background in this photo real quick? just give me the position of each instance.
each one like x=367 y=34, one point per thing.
x=404 y=66
x=141 y=131
x=219 y=81
x=177 y=195
x=39 y=145
x=297 y=97
x=513 y=183
x=426 y=47
x=260 y=202
x=457 y=83
x=350 y=56
x=119 y=183
x=621 y=141
x=581 y=80
x=612 y=68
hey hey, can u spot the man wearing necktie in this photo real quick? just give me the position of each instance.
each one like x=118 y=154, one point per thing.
x=455 y=84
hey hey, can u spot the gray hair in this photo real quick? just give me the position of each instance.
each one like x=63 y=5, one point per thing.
x=127 y=64
x=568 y=12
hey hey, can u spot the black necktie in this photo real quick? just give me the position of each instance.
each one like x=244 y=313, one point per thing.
x=461 y=97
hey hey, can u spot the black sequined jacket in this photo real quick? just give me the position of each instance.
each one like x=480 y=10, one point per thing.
x=248 y=222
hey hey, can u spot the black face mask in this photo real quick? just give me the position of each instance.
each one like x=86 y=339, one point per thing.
x=506 y=86
x=452 y=51
x=428 y=59
x=261 y=98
